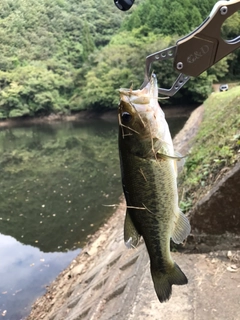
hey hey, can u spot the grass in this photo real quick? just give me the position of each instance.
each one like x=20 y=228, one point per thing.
x=216 y=147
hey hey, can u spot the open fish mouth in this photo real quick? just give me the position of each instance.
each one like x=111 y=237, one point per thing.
x=141 y=96
x=139 y=110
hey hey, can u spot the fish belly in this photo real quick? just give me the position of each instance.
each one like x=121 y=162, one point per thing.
x=150 y=190
x=150 y=187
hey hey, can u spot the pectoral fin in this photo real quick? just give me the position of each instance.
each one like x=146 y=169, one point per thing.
x=177 y=156
x=131 y=236
x=182 y=228
x=179 y=160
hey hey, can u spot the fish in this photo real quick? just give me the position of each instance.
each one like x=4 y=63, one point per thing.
x=149 y=179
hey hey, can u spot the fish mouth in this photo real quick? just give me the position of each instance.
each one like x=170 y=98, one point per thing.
x=138 y=109
x=141 y=96
x=141 y=104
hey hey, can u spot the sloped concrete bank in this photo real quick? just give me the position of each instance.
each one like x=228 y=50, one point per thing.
x=107 y=281
x=219 y=210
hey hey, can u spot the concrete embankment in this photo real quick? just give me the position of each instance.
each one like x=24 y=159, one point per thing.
x=107 y=281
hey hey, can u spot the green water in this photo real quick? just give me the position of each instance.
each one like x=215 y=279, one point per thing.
x=56 y=180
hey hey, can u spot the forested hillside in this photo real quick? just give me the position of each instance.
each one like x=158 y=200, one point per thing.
x=69 y=55
x=43 y=43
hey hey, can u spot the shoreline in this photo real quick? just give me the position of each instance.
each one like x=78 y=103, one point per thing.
x=109 y=115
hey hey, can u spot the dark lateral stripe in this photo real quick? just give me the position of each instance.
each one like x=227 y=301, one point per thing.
x=152 y=240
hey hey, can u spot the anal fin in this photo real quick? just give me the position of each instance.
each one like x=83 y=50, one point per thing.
x=131 y=236
x=182 y=228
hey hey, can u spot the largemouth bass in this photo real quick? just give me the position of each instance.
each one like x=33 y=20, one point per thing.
x=149 y=178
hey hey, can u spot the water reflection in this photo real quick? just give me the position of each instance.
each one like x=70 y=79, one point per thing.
x=55 y=181
x=24 y=272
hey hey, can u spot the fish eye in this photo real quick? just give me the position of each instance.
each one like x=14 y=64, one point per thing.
x=126 y=117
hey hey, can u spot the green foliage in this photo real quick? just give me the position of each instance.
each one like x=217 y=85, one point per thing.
x=231 y=27
x=198 y=89
x=216 y=146
x=65 y=55
x=120 y=64
x=169 y=17
x=31 y=90
x=42 y=44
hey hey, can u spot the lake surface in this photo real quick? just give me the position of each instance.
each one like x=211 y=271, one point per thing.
x=55 y=182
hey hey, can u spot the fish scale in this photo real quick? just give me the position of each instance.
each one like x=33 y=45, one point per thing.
x=149 y=181
x=144 y=192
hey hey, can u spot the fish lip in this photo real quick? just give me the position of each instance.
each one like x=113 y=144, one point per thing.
x=141 y=96
x=143 y=105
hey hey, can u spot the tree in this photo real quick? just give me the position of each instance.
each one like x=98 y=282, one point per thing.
x=61 y=55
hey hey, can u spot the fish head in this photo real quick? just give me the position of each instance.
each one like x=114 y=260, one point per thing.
x=141 y=120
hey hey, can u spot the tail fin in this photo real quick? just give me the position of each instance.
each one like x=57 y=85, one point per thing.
x=163 y=281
